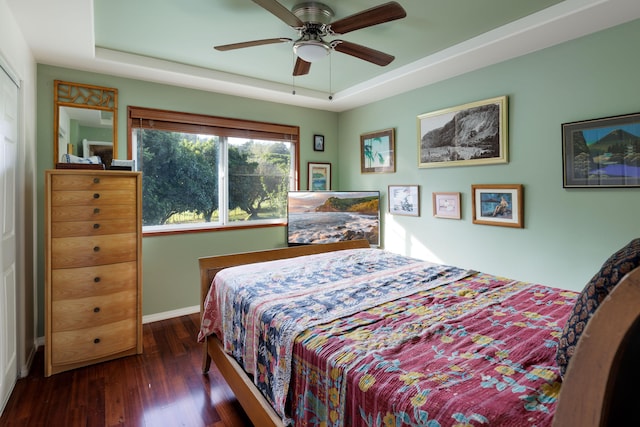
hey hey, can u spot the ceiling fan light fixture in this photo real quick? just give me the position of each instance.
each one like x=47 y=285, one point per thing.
x=311 y=50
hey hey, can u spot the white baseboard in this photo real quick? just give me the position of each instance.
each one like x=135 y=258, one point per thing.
x=24 y=369
x=156 y=317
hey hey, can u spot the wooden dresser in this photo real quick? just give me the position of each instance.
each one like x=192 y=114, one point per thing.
x=93 y=267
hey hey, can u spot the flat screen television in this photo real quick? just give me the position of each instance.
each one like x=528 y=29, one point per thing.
x=332 y=216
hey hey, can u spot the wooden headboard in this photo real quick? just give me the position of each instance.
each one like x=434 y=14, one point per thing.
x=594 y=391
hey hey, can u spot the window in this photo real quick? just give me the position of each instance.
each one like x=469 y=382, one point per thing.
x=202 y=172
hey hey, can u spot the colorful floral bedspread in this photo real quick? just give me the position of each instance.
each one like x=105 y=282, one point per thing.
x=369 y=343
x=259 y=309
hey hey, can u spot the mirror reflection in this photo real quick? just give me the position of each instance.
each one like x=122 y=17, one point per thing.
x=86 y=133
x=85 y=123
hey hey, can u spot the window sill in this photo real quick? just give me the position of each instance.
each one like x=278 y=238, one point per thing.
x=163 y=230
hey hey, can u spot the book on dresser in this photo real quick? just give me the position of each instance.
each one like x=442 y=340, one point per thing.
x=93 y=267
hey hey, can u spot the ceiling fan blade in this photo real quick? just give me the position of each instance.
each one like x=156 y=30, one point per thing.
x=362 y=52
x=280 y=12
x=374 y=16
x=301 y=68
x=241 y=45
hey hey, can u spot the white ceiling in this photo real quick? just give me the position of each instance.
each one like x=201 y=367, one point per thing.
x=172 y=42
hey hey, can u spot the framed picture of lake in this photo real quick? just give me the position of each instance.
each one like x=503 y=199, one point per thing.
x=319 y=176
x=602 y=152
x=498 y=204
x=404 y=200
x=377 y=152
x=469 y=134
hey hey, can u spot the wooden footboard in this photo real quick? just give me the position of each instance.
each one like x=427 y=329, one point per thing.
x=594 y=392
x=254 y=404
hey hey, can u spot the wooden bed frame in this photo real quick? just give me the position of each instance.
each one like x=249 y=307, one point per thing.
x=598 y=389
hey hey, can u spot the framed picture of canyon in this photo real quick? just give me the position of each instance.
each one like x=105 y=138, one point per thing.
x=469 y=134
x=601 y=152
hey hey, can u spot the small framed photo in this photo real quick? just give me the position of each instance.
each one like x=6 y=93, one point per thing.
x=319 y=176
x=377 y=152
x=602 y=152
x=498 y=204
x=404 y=200
x=446 y=205
x=470 y=134
x=318 y=142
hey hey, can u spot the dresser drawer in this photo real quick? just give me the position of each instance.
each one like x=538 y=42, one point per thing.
x=70 y=252
x=92 y=281
x=85 y=344
x=92 y=198
x=93 y=213
x=81 y=313
x=92 y=182
x=93 y=228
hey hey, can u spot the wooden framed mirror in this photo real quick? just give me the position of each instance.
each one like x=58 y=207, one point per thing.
x=85 y=112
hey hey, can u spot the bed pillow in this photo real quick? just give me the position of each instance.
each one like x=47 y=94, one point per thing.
x=614 y=269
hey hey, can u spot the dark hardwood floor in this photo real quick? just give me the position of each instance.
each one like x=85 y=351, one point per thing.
x=164 y=386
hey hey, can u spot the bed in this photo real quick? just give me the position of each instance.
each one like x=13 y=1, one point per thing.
x=450 y=347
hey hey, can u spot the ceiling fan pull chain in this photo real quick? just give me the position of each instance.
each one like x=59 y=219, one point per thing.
x=330 y=72
x=293 y=76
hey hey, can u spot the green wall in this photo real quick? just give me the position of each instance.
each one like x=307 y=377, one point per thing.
x=568 y=232
x=170 y=263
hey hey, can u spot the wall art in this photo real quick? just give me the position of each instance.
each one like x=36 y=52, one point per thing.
x=377 y=152
x=602 y=152
x=498 y=204
x=469 y=134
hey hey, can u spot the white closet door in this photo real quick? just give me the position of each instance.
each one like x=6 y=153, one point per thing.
x=8 y=249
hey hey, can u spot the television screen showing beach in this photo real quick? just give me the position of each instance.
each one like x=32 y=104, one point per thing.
x=333 y=216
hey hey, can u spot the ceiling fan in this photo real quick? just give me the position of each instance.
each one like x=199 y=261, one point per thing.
x=312 y=21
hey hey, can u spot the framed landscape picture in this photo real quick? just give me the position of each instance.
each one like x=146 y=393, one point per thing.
x=602 y=152
x=469 y=134
x=319 y=176
x=498 y=204
x=377 y=152
x=404 y=200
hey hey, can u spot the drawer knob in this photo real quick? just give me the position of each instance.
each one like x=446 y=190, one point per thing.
x=96 y=341
x=96 y=180
x=96 y=310
x=96 y=195
x=96 y=249
x=96 y=226
x=96 y=211
x=96 y=279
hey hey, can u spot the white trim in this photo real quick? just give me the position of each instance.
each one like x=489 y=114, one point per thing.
x=4 y=65
x=26 y=367
x=149 y=318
